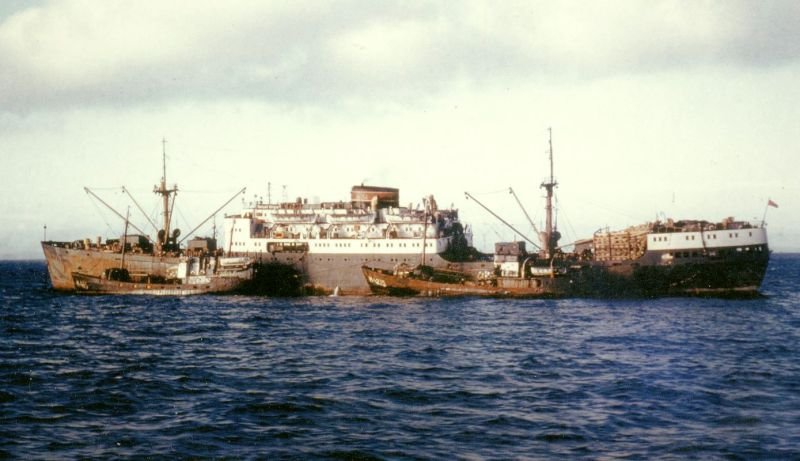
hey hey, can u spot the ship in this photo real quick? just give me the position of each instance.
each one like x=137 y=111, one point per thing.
x=521 y=279
x=325 y=243
x=90 y=265
x=191 y=276
x=726 y=258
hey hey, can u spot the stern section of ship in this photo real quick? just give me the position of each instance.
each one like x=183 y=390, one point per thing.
x=730 y=262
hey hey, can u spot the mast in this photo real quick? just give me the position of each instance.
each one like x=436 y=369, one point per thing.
x=165 y=195
x=424 y=229
x=125 y=238
x=549 y=242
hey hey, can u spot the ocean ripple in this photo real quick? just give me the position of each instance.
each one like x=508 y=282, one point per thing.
x=384 y=378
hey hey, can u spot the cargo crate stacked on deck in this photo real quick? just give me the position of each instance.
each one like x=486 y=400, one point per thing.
x=622 y=245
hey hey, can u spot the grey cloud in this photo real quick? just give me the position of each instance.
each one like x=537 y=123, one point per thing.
x=302 y=54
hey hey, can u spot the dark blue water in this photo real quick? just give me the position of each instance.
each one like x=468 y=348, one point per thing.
x=382 y=378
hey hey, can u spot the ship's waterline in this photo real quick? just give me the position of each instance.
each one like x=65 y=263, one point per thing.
x=323 y=273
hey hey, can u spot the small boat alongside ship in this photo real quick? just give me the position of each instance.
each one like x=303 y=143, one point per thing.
x=191 y=276
x=662 y=258
x=523 y=281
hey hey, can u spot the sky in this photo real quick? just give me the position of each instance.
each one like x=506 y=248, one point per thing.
x=681 y=109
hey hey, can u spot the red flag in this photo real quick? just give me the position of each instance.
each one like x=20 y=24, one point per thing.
x=771 y=203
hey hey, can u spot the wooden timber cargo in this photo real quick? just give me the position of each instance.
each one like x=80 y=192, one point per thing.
x=627 y=244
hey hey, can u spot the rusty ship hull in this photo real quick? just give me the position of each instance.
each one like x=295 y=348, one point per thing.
x=390 y=283
x=87 y=284
x=65 y=258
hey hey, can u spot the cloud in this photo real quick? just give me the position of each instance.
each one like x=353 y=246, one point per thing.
x=78 y=52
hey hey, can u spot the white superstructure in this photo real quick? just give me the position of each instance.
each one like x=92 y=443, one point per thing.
x=327 y=228
x=328 y=241
x=706 y=240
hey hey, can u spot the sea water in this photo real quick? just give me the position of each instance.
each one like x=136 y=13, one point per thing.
x=110 y=377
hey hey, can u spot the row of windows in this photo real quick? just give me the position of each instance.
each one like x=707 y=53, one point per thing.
x=692 y=237
x=366 y=245
x=719 y=252
x=342 y=245
x=394 y=260
x=346 y=245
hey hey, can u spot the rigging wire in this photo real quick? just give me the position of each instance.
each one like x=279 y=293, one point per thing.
x=103 y=188
x=183 y=218
x=524 y=211
x=109 y=230
x=154 y=212
x=572 y=237
x=492 y=192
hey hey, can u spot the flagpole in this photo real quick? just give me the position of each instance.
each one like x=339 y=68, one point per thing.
x=766 y=208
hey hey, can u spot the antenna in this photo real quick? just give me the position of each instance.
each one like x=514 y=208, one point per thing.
x=424 y=229
x=164 y=160
x=550 y=142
